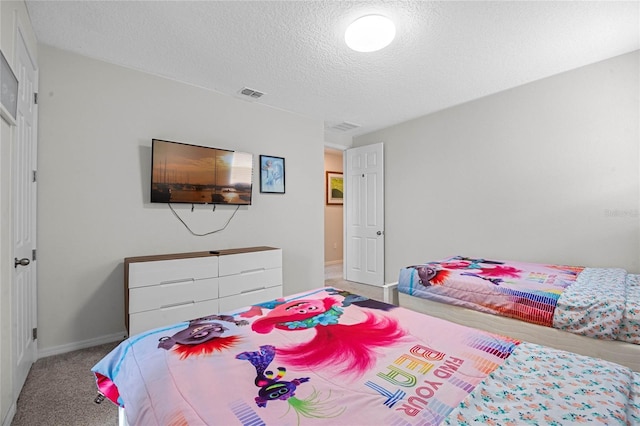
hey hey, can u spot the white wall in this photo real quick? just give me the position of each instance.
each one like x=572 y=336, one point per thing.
x=96 y=125
x=546 y=172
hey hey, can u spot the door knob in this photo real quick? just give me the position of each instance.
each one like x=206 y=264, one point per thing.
x=379 y=233
x=22 y=262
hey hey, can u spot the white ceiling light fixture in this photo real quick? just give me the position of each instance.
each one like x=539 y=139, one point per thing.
x=370 y=33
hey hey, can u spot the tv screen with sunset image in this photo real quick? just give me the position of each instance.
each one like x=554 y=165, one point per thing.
x=184 y=173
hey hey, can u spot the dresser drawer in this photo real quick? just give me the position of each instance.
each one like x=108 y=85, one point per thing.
x=143 y=321
x=247 y=262
x=163 y=296
x=167 y=271
x=227 y=304
x=249 y=281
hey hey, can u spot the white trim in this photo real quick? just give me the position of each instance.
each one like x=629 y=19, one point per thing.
x=10 y=414
x=387 y=292
x=332 y=262
x=69 y=347
x=335 y=146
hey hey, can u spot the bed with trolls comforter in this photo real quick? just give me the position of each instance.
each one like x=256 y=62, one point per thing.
x=328 y=356
x=603 y=303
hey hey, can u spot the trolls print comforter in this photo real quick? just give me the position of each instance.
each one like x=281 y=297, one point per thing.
x=602 y=303
x=333 y=357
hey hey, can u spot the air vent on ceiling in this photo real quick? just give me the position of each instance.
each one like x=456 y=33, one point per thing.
x=254 y=94
x=344 y=126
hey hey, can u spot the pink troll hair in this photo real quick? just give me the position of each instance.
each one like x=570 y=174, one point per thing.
x=440 y=278
x=347 y=347
x=457 y=264
x=498 y=271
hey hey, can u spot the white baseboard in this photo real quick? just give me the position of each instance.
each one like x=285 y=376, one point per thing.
x=332 y=262
x=57 y=350
x=10 y=414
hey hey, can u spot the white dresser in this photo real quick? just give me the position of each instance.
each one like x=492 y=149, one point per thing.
x=165 y=289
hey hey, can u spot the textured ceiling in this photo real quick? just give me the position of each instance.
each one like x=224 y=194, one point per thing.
x=445 y=53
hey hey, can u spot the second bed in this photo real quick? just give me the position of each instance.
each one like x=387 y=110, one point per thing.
x=592 y=311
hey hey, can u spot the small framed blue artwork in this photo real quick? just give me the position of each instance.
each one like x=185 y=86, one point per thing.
x=271 y=174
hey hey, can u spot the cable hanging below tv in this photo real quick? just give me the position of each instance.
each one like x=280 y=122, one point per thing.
x=193 y=174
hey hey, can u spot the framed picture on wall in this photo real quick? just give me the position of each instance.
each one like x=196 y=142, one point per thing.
x=271 y=174
x=334 y=188
x=8 y=92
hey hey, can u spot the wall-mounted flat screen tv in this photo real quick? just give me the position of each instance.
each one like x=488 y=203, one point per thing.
x=184 y=173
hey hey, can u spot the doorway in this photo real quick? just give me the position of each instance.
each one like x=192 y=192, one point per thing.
x=357 y=226
x=333 y=219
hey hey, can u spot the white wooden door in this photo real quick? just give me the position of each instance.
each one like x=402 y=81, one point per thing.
x=24 y=297
x=364 y=214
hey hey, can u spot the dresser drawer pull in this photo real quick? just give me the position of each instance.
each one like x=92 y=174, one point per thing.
x=178 y=305
x=175 y=282
x=253 y=290
x=252 y=271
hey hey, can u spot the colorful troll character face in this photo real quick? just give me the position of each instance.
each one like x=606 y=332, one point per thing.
x=194 y=334
x=428 y=275
x=299 y=314
x=279 y=390
x=202 y=336
x=271 y=385
x=273 y=388
x=304 y=307
x=345 y=348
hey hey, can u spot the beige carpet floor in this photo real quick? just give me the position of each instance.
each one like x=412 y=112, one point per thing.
x=60 y=390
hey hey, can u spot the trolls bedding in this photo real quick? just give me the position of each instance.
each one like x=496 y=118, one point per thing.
x=602 y=303
x=332 y=357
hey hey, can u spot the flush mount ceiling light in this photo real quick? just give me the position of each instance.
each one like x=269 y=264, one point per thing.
x=370 y=33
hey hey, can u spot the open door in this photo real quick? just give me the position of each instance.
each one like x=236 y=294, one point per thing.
x=364 y=214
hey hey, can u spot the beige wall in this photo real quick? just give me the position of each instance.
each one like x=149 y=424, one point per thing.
x=96 y=125
x=545 y=172
x=333 y=219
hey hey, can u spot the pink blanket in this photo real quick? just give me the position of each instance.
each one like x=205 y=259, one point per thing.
x=316 y=357
x=526 y=291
